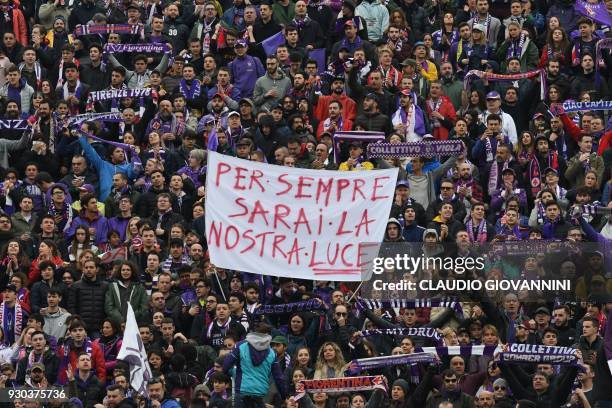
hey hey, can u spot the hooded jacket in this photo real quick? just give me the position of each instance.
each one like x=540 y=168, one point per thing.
x=280 y=81
x=254 y=361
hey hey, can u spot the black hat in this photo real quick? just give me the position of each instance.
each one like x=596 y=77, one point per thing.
x=372 y=96
x=11 y=287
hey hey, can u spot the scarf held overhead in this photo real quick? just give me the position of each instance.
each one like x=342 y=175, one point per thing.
x=538 y=354
x=304 y=306
x=471 y=75
x=413 y=149
x=129 y=29
x=363 y=364
x=428 y=332
x=346 y=384
x=408 y=304
x=154 y=48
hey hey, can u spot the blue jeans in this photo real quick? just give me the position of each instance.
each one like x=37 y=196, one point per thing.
x=248 y=401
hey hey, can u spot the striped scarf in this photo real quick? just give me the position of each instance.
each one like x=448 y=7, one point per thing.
x=16 y=326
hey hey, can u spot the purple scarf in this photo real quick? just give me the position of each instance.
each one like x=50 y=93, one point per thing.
x=481 y=235
x=363 y=364
x=192 y=91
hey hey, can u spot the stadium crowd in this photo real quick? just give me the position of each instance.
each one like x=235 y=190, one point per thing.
x=108 y=110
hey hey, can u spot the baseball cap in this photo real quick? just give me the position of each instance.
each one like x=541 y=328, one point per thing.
x=11 y=287
x=372 y=96
x=419 y=44
x=409 y=61
x=537 y=115
x=245 y=141
x=87 y=188
x=550 y=170
x=428 y=136
x=349 y=22
x=38 y=366
x=355 y=144
x=493 y=95
x=479 y=27
x=134 y=6
x=542 y=310
x=217 y=95
x=248 y=101
x=240 y=43
x=509 y=170
x=402 y=183
x=280 y=340
x=406 y=92
x=233 y=113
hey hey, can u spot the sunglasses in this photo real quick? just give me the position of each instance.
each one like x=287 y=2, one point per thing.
x=499 y=388
x=341 y=314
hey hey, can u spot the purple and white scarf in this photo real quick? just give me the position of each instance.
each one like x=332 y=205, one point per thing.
x=344 y=384
x=408 y=304
x=428 y=332
x=413 y=149
x=537 y=354
x=481 y=235
x=16 y=325
x=16 y=124
x=192 y=91
x=150 y=48
x=516 y=47
x=77 y=90
x=92 y=29
x=364 y=364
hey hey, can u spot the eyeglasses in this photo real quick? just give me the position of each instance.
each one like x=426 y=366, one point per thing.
x=341 y=314
x=450 y=380
x=5 y=222
x=446 y=188
x=499 y=388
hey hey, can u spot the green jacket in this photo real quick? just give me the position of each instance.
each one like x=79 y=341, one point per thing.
x=117 y=296
x=282 y=16
x=530 y=56
x=575 y=169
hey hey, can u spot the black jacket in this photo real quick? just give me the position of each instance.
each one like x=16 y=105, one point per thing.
x=51 y=362
x=90 y=392
x=87 y=300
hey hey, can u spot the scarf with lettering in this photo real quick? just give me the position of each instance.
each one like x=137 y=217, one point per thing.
x=123 y=29
x=537 y=354
x=494 y=174
x=344 y=384
x=190 y=91
x=516 y=47
x=535 y=173
x=409 y=304
x=472 y=74
x=428 y=332
x=302 y=306
x=364 y=364
x=481 y=234
x=154 y=48
x=15 y=326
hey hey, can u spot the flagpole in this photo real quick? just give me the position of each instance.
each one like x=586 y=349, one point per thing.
x=355 y=292
x=219 y=283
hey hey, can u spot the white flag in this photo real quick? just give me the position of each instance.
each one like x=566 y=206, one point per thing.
x=133 y=352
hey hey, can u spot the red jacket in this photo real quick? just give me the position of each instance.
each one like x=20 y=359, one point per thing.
x=605 y=143
x=20 y=27
x=450 y=116
x=98 y=364
x=349 y=107
x=346 y=125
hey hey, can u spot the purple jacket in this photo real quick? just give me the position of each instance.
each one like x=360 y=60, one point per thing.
x=245 y=72
x=100 y=223
x=118 y=224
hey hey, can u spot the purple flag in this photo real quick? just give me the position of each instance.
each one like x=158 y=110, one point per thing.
x=597 y=12
x=319 y=56
x=272 y=43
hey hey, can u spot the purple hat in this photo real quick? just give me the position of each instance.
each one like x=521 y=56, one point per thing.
x=493 y=95
x=240 y=43
x=87 y=188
